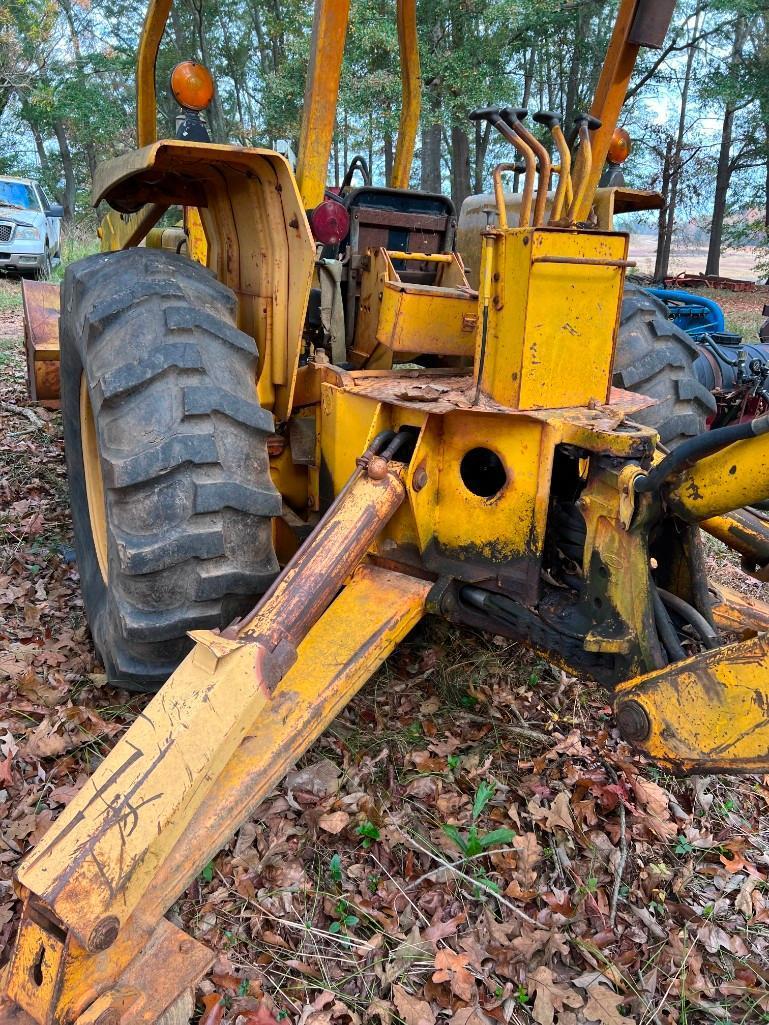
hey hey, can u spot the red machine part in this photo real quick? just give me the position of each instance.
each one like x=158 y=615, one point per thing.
x=329 y=222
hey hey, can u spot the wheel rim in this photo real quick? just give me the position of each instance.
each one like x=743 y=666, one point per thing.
x=94 y=483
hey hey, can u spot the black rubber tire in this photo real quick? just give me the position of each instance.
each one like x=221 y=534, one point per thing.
x=182 y=447
x=44 y=273
x=656 y=358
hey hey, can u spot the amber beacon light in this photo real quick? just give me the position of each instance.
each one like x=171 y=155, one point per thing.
x=192 y=85
x=619 y=147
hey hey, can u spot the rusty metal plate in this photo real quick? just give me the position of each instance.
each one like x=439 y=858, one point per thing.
x=41 y=339
x=445 y=391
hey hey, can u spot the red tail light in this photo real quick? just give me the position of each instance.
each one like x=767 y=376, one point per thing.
x=329 y=222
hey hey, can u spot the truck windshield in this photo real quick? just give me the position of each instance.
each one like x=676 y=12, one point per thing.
x=17 y=195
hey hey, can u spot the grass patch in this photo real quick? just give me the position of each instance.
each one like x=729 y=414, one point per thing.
x=742 y=310
x=10 y=294
x=76 y=245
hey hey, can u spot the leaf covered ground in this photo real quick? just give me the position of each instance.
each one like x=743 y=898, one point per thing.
x=470 y=841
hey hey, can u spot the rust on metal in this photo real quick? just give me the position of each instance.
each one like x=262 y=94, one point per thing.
x=41 y=340
x=317 y=571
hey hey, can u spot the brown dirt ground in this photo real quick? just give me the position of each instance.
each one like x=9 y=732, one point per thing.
x=470 y=842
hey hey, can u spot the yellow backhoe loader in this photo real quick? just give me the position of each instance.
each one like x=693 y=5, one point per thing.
x=329 y=414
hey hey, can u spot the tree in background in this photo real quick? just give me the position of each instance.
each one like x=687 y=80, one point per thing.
x=698 y=108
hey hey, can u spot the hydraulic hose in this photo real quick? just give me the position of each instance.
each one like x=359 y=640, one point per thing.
x=690 y=615
x=665 y=628
x=691 y=451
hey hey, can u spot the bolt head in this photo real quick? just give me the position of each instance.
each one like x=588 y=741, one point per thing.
x=633 y=721
x=377 y=468
x=419 y=480
x=104 y=934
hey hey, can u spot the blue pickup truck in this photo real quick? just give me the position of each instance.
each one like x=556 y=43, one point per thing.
x=30 y=228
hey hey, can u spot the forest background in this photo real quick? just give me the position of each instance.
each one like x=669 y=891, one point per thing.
x=698 y=109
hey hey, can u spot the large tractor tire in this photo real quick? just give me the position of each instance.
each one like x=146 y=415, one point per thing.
x=656 y=358
x=166 y=452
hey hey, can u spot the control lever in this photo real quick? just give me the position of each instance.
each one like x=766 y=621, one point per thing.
x=585 y=124
x=494 y=117
x=513 y=117
x=563 y=194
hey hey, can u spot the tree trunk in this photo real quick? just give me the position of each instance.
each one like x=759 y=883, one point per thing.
x=725 y=167
x=723 y=174
x=388 y=156
x=482 y=135
x=663 y=250
x=460 y=165
x=371 y=145
x=573 y=83
x=70 y=182
x=430 y=180
x=662 y=216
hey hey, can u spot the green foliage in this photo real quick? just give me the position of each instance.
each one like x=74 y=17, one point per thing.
x=473 y=842
x=335 y=868
x=368 y=831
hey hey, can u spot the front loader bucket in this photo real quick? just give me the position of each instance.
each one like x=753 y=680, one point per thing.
x=41 y=341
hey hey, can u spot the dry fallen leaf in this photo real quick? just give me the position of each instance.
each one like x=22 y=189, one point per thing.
x=452 y=968
x=413 y=1010
x=334 y=822
x=560 y=813
x=551 y=996
x=603 y=1006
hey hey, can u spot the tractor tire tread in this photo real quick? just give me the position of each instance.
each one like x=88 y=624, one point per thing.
x=182 y=441
x=656 y=358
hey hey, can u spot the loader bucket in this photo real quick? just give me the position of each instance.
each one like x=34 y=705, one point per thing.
x=41 y=341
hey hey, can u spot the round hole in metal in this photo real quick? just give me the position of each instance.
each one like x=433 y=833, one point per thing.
x=483 y=472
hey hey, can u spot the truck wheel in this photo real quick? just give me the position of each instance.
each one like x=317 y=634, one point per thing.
x=44 y=273
x=656 y=358
x=166 y=457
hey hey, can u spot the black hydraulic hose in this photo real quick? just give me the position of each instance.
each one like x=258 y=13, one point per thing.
x=665 y=628
x=697 y=448
x=689 y=614
x=397 y=443
x=698 y=576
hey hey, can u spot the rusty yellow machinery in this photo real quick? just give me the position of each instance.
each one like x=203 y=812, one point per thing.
x=350 y=409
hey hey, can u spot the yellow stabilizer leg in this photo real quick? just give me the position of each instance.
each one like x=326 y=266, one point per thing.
x=709 y=713
x=350 y=641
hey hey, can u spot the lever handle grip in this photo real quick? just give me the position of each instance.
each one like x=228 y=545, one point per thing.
x=587 y=119
x=484 y=114
x=547 y=118
x=512 y=114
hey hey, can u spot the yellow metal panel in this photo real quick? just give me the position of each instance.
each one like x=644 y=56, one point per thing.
x=95 y=863
x=259 y=240
x=503 y=526
x=197 y=247
x=348 y=422
x=736 y=476
x=708 y=713
x=555 y=304
x=408 y=45
x=35 y=970
x=426 y=321
x=329 y=30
